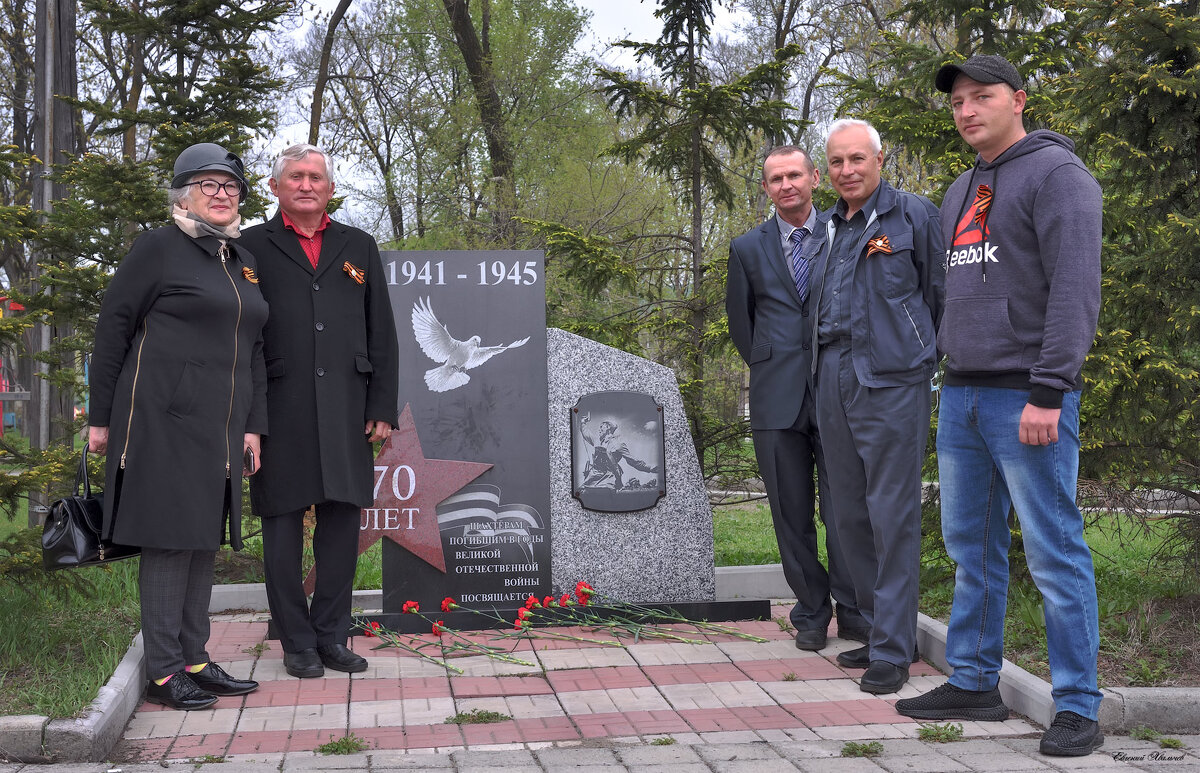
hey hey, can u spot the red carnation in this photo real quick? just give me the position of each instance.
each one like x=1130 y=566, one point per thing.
x=370 y=631
x=565 y=601
x=532 y=602
x=449 y=604
x=411 y=607
x=439 y=626
x=549 y=601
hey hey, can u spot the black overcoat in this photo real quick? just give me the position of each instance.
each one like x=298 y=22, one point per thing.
x=332 y=365
x=177 y=375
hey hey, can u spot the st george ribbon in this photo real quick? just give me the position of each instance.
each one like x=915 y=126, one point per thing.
x=462 y=489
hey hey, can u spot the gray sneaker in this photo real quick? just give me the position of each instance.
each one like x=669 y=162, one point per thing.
x=949 y=702
x=1071 y=735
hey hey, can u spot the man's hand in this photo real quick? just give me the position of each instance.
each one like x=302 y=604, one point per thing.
x=97 y=439
x=378 y=430
x=1039 y=426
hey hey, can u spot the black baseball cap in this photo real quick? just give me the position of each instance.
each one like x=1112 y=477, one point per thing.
x=984 y=69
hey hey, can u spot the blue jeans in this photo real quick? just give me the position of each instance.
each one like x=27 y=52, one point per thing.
x=984 y=468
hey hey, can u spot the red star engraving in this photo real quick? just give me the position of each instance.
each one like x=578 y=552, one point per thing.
x=408 y=488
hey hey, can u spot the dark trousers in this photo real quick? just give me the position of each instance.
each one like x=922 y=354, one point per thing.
x=175 y=587
x=335 y=555
x=874 y=441
x=786 y=461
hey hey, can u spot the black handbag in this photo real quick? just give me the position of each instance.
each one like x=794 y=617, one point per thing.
x=71 y=535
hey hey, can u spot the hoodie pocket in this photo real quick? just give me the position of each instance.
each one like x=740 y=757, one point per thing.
x=976 y=334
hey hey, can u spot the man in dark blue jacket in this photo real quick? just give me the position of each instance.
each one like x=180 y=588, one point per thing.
x=878 y=277
x=768 y=300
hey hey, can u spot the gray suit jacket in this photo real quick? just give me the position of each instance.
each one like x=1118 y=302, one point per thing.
x=769 y=326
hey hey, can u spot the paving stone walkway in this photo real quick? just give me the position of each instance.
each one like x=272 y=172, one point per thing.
x=722 y=705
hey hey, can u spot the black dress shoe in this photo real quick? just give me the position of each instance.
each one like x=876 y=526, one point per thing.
x=813 y=640
x=212 y=678
x=848 y=633
x=883 y=677
x=304 y=664
x=859 y=657
x=179 y=692
x=340 y=658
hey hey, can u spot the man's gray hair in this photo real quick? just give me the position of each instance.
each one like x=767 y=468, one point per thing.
x=847 y=123
x=297 y=152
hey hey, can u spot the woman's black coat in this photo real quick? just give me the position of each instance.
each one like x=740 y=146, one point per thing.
x=177 y=376
x=332 y=365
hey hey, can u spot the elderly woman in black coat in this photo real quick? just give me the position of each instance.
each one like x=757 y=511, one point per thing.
x=178 y=401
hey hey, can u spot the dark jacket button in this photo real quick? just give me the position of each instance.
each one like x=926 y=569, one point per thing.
x=316 y=286
x=320 y=371
x=320 y=326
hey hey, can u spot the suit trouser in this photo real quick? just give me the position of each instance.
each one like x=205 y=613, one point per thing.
x=786 y=459
x=175 y=587
x=874 y=441
x=335 y=556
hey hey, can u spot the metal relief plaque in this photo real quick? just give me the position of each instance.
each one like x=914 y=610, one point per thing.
x=618 y=452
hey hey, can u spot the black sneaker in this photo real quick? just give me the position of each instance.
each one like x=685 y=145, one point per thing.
x=1071 y=735
x=949 y=702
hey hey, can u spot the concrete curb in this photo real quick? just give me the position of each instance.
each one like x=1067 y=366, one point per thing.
x=92 y=736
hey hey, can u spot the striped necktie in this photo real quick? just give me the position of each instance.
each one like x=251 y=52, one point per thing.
x=800 y=266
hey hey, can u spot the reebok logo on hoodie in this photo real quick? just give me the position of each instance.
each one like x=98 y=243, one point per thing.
x=970 y=243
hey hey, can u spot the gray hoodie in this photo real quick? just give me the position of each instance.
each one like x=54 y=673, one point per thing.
x=1023 y=270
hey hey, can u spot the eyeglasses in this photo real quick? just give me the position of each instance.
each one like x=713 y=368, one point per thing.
x=232 y=188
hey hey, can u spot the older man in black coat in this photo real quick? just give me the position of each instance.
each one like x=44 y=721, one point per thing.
x=332 y=375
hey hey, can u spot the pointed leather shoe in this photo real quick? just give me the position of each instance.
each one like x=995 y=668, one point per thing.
x=304 y=664
x=340 y=658
x=180 y=693
x=212 y=678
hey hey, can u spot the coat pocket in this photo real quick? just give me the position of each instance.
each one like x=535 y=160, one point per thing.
x=184 y=396
x=759 y=353
x=276 y=367
x=362 y=364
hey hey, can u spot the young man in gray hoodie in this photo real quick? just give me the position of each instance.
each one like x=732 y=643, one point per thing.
x=1022 y=299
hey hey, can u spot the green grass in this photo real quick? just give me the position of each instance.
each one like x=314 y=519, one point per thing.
x=743 y=535
x=477 y=717
x=947 y=733
x=855 y=749
x=349 y=744
x=56 y=648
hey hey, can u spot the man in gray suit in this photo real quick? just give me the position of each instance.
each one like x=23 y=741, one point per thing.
x=767 y=301
x=878 y=280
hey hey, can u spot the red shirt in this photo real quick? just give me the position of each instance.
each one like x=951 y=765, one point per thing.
x=311 y=244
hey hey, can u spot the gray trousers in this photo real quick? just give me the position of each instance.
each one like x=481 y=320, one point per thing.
x=874 y=441
x=175 y=587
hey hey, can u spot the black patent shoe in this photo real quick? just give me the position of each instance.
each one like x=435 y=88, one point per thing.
x=340 y=658
x=180 y=693
x=212 y=678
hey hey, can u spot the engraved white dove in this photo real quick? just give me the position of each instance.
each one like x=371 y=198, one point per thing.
x=456 y=357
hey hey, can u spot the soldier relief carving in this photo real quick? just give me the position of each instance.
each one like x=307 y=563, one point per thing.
x=617 y=451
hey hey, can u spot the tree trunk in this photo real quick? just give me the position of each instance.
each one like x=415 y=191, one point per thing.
x=314 y=121
x=491 y=112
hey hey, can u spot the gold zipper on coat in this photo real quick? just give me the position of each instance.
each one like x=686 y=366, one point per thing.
x=224 y=253
x=137 y=369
